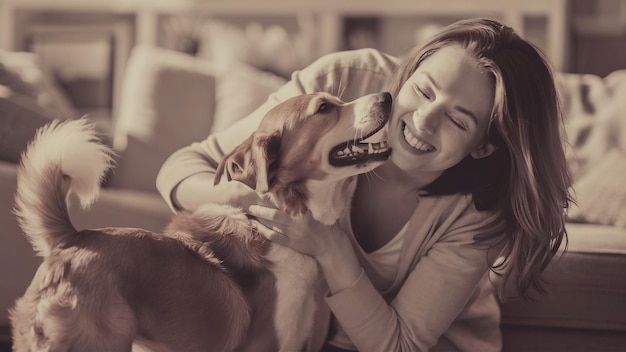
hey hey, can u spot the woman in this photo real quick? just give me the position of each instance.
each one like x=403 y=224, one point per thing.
x=477 y=173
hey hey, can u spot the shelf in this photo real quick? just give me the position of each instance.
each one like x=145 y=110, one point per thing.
x=330 y=14
x=396 y=21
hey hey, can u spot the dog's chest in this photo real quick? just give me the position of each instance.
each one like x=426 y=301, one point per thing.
x=296 y=276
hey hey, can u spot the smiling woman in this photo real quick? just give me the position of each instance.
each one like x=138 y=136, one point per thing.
x=476 y=171
x=441 y=114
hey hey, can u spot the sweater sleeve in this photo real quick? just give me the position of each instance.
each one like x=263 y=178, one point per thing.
x=349 y=74
x=433 y=295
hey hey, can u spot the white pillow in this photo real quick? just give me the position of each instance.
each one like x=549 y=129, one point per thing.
x=168 y=101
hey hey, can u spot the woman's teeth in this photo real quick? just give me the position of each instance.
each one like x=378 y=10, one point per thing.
x=414 y=142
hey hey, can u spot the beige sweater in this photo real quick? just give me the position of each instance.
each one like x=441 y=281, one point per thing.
x=441 y=296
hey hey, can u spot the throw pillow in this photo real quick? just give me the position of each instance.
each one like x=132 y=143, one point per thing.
x=600 y=192
x=168 y=100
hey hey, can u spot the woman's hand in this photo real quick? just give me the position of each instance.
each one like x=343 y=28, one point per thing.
x=328 y=244
x=302 y=233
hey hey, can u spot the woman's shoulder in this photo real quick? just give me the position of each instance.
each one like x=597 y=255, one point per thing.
x=365 y=59
x=366 y=70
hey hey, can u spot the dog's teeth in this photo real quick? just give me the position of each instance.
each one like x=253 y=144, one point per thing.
x=355 y=151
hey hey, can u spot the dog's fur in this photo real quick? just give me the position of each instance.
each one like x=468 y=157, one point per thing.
x=209 y=282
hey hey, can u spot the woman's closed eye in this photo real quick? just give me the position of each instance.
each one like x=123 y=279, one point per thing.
x=456 y=121
x=422 y=92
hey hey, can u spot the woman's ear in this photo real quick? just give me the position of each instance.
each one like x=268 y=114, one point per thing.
x=483 y=150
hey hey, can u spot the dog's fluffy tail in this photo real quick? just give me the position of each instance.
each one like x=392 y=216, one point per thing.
x=64 y=158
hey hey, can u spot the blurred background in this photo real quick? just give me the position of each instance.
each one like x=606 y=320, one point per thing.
x=85 y=45
x=157 y=75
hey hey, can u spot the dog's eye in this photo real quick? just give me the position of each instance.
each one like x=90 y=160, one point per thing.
x=323 y=107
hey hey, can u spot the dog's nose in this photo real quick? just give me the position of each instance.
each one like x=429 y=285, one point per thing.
x=384 y=97
x=384 y=101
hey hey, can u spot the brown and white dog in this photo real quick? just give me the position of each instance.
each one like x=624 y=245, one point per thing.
x=209 y=282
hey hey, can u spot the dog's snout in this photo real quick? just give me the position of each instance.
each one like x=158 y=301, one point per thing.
x=384 y=98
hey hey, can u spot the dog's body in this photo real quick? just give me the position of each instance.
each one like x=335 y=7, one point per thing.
x=209 y=282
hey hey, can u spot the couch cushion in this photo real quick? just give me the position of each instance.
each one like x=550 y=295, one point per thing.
x=586 y=286
x=168 y=102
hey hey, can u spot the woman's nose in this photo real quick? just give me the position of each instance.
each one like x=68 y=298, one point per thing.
x=426 y=120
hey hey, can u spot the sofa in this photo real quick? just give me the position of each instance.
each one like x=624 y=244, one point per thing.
x=170 y=99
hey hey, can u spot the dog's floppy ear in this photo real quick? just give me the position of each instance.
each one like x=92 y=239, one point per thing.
x=250 y=162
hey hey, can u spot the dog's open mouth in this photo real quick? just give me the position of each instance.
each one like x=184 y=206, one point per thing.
x=359 y=151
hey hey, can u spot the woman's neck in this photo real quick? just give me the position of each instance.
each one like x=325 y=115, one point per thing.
x=402 y=180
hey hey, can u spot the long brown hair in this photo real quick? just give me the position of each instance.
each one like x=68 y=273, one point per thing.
x=527 y=180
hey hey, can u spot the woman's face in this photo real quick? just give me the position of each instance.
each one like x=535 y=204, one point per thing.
x=441 y=113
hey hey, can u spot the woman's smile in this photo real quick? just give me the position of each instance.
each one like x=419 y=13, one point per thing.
x=418 y=144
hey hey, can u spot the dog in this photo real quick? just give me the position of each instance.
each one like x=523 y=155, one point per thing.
x=209 y=282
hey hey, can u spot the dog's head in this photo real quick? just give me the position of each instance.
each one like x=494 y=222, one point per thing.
x=310 y=137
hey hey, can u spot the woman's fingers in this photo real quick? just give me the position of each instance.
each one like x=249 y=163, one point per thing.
x=267 y=223
x=273 y=234
x=270 y=214
x=301 y=232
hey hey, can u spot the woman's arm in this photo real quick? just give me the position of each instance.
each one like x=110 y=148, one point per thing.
x=186 y=178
